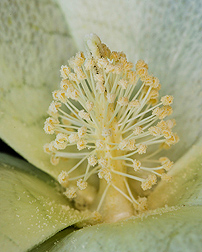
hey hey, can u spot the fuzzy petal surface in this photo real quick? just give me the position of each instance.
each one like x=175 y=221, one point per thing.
x=34 y=43
x=32 y=208
x=186 y=185
x=176 y=230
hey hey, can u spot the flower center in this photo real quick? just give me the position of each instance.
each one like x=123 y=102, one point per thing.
x=109 y=118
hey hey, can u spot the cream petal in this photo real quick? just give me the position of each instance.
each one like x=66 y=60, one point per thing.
x=34 y=43
x=166 y=34
x=177 y=230
x=32 y=208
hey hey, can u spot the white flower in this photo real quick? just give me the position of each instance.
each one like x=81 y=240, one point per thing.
x=35 y=42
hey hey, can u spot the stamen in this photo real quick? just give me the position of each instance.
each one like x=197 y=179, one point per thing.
x=70 y=192
x=114 y=118
x=82 y=184
x=102 y=198
x=63 y=178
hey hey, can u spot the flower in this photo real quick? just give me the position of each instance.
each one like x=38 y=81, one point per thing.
x=29 y=62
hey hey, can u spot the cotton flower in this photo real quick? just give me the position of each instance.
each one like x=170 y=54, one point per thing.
x=35 y=43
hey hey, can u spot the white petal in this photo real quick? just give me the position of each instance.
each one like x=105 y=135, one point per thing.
x=34 y=43
x=32 y=209
x=166 y=34
x=186 y=185
x=178 y=230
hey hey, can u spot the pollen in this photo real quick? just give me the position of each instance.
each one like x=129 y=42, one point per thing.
x=70 y=193
x=100 y=144
x=123 y=83
x=84 y=115
x=137 y=130
x=123 y=101
x=73 y=138
x=167 y=100
x=134 y=103
x=166 y=163
x=108 y=116
x=82 y=131
x=54 y=159
x=104 y=173
x=65 y=71
x=166 y=177
x=106 y=132
x=142 y=148
x=63 y=179
x=89 y=106
x=82 y=184
x=53 y=108
x=149 y=182
x=81 y=144
x=136 y=165
x=92 y=160
x=102 y=162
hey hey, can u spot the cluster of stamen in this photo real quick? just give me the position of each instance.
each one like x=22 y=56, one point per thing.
x=106 y=114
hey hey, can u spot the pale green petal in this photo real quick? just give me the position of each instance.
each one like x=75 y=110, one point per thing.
x=186 y=185
x=167 y=34
x=52 y=242
x=178 y=230
x=32 y=209
x=34 y=43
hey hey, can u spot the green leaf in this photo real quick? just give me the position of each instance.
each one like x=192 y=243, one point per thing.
x=165 y=34
x=34 y=43
x=177 y=230
x=32 y=208
x=186 y=185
